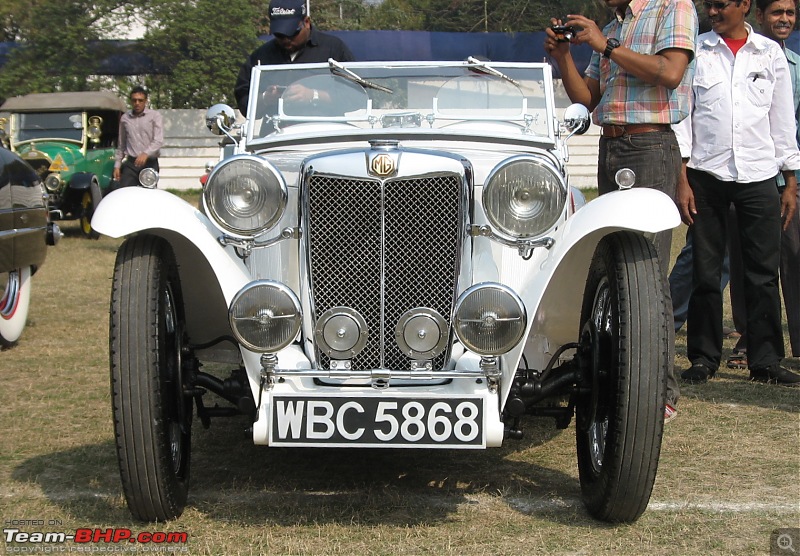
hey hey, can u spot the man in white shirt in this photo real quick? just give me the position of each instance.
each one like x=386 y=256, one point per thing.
x=739 y=136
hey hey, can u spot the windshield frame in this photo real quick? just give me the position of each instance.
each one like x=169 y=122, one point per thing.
x=512 y=126
x=78 y=127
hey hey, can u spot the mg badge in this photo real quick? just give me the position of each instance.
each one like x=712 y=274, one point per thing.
x=382 y=165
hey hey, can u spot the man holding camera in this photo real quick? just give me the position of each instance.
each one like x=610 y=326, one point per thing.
x=637 y=85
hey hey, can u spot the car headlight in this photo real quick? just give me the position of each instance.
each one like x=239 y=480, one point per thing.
x=148 y=178
x=489 y=319
x=53 y=182
x=245 y=195
x=265 y=316
x=524 y=196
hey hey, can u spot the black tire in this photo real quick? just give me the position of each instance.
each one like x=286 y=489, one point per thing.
x=625 y=346
x=152 y=416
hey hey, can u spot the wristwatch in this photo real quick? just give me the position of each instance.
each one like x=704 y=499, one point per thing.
x=315 y=97
x=611 y=44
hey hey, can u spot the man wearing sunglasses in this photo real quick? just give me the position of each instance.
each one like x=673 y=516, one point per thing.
x=740 y=135
x=141 y=136
x=295 y=41
x=636 y=85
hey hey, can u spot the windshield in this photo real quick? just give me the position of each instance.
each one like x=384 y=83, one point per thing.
x=421 y=97
x=49 y=125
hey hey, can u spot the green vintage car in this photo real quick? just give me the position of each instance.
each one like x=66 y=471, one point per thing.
x=69 y=139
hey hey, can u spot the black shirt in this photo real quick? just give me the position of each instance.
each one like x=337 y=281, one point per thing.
x=319 y=48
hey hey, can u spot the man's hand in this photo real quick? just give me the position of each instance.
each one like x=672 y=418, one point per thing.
x=299 y=93
x=684 y=197
x=141 y=160
x=789 y=199
x=115 y=175
x=589 y=34
x=556 y=49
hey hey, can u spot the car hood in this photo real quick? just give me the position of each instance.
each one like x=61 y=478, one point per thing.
x=51 y=150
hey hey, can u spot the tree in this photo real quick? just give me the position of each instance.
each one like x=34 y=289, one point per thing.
x=493 y=16
x=198 y=48
x=55 y=41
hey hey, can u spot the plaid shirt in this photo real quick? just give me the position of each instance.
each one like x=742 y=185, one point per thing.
x=649 y=26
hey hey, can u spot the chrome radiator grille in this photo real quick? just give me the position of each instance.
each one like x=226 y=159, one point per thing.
x=382 y=248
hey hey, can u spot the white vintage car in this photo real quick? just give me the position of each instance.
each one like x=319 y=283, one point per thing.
x=391 y=255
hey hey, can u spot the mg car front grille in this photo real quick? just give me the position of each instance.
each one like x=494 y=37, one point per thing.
x=381 y=249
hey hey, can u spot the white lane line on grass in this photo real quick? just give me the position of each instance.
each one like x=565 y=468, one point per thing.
x=524 y=505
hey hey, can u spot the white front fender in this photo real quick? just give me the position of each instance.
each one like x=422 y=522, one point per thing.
x=551 y=284
x=135 y=209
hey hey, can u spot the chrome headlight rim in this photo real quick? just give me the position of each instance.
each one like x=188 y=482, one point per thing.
x=492 y=187
x=53 y=182
x=295 y=320
x=148 y=178
x=280 y=197
x=516 y=303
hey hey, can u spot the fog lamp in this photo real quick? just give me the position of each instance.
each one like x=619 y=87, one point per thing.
x=148 y=178
x=421 y=333
x=265 y=316
x=489 y=319
x=52 y=183
x=341 y=333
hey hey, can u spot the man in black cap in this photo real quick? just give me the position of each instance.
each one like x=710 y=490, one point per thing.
x=295 y=41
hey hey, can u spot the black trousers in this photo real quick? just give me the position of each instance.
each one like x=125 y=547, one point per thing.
x=790 y=282
x=757 y=208
x=129 y=173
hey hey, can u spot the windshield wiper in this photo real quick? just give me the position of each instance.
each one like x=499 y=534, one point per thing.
x=479 y=66
x=340 y=70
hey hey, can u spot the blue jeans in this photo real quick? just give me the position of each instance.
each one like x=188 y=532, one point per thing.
x=680 y=281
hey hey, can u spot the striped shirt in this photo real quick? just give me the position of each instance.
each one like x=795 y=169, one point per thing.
x=139 y=134
x=649 y=26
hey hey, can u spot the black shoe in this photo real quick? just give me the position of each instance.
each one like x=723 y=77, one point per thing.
x=697 y=374
x=775 y=374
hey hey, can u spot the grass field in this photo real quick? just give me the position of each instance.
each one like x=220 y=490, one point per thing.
x=729 y=473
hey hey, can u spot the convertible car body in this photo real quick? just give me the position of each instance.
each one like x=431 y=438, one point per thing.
x=391 y=255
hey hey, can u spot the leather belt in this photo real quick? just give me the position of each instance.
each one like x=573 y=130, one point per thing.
x=632 y=129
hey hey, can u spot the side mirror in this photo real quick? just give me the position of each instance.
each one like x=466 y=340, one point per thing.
x=576 y=119
x=220 y=119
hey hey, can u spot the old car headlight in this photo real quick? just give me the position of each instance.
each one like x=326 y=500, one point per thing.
x=245 y=195
x=489 y=319
x=265 y=316
x=53 y=182
x=524 y=196
x=148 y=178
x=95 y=129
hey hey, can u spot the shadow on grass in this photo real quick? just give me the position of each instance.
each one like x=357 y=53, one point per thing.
x=235 y=481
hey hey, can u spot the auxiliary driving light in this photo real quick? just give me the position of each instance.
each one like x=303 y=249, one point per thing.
x=421 y=333
x=265 y=316
x=341 y=333
x=53 y=182
x=148 y=178
x=489 y=319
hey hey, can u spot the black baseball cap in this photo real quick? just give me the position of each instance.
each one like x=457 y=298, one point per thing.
x=285 y=16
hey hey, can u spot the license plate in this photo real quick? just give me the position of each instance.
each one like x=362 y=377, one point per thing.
x=377 y=422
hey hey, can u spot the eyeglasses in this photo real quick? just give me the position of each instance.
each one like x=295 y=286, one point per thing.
x=720 y=6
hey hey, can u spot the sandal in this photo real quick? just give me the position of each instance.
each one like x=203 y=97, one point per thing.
x=737 y=360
